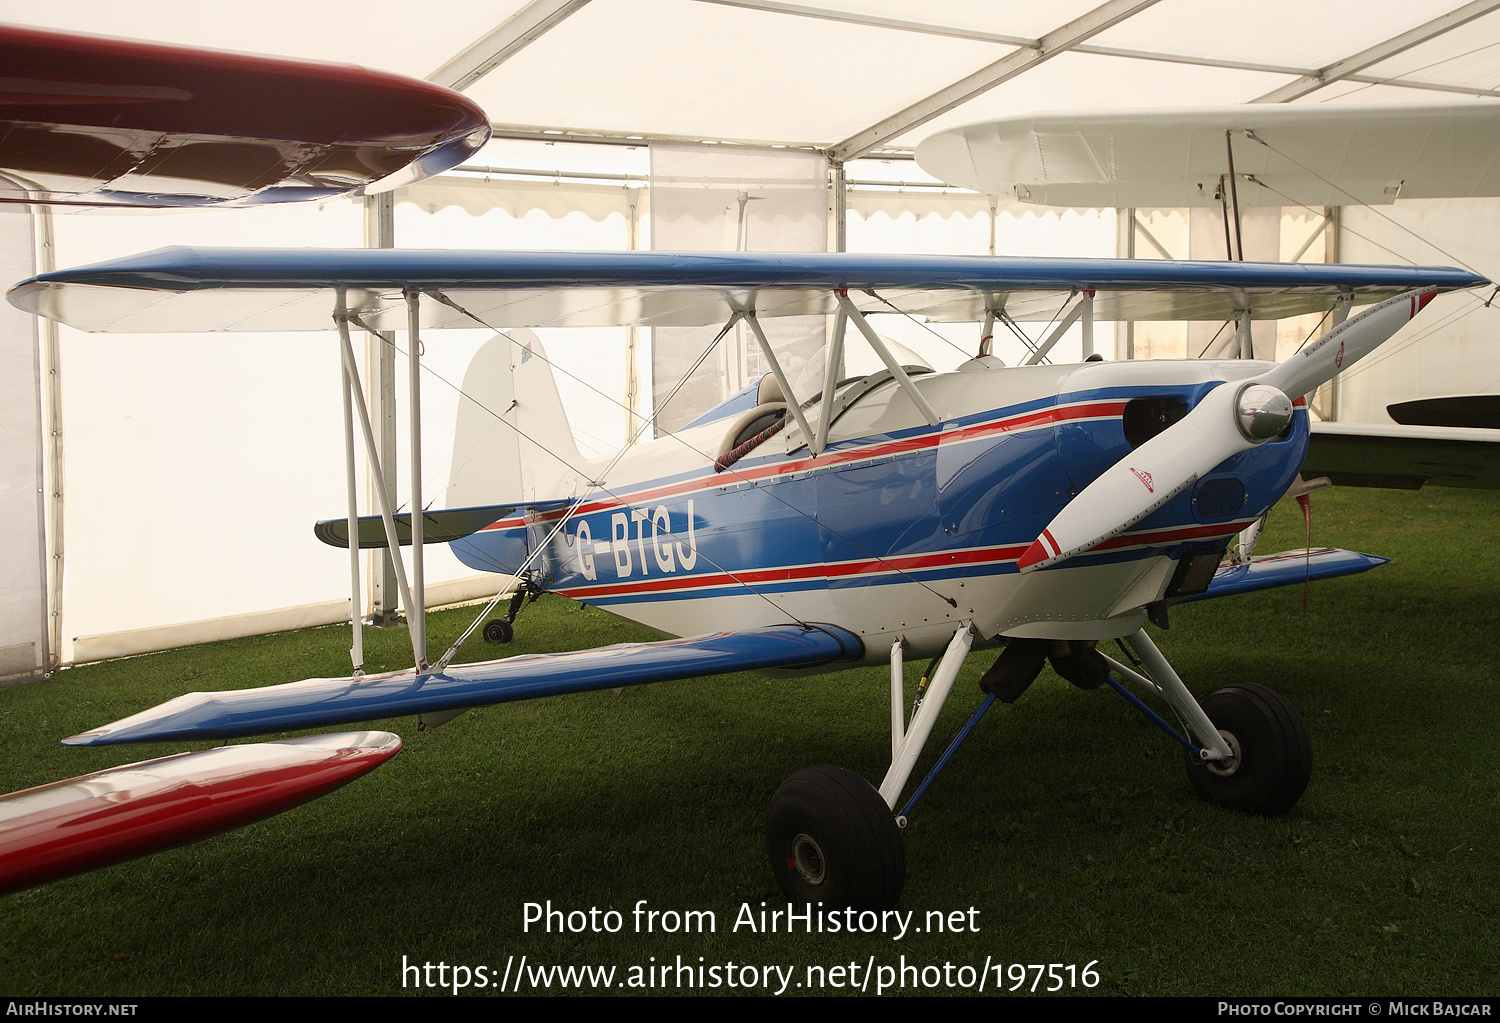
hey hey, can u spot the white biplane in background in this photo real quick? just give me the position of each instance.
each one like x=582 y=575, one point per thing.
x=906 y=513
x=1313 y=157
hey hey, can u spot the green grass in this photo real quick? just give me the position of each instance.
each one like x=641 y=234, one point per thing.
x=1067 y=822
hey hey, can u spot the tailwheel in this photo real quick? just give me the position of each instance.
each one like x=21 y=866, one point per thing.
x=503 y=630
x=832 y=839
x=1272 y=752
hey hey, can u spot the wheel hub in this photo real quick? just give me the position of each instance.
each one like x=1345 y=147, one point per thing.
x=807 y=857
x=1227 y=767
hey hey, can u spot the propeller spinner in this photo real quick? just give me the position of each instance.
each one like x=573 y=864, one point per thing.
x=1228 y=420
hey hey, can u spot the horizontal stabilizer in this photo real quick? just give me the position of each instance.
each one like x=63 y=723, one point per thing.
x=437 y=526
x=321 y=701
x=1287 y=568
x=71 y=826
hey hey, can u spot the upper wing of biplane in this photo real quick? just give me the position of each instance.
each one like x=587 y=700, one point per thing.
x=89 y=121
x=1280 y=155
x=209 y=289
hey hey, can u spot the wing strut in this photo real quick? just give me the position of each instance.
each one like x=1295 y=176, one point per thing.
x=832 y=367
x=792 y=401
x=416 y=615
x=341 y=317
x=886 y=357
x=1081 y=303
x=356 y=605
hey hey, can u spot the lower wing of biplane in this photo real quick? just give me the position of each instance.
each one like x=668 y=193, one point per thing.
x=1404 y=457
x=1451 y=441
x=1036 y=507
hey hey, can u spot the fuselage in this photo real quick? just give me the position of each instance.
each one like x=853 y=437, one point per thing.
x=898 y=528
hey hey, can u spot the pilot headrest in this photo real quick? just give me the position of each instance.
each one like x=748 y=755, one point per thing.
x=770 y=391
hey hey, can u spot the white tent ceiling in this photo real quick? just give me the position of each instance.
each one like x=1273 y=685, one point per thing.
x=845 y=75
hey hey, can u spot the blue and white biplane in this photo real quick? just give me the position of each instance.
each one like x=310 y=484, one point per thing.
x=1038 y=508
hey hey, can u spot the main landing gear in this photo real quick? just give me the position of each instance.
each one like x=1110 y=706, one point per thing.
x=1252 y=753
x=834 y=839
x=831 y=837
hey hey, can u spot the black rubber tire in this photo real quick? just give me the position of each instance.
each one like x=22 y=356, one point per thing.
x=498 y=630
x=1275 y=752
x=832 y=839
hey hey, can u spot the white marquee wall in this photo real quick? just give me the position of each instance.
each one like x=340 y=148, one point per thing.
x=197 y=464
x=24 y=653
x=1455 y=347
x=185 y=453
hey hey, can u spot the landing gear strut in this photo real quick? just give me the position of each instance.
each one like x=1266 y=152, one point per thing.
x=834 y=839
x=1255 y=754
x=503 y=630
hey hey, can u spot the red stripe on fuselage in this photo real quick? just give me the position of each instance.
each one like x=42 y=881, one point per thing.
x=896 y=564
x=1009 y=424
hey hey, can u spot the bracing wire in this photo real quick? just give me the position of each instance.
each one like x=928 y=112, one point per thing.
x=1215 y=338
x=1376 y=359
x=921 y=323
x=1357 y=201
x=1388 y=351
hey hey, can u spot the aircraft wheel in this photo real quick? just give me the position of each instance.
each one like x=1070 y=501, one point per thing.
x=1273 y=753
x=498 y=630
x=832 y=839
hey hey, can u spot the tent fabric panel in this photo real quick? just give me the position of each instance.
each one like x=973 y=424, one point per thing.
x=24 y=652
x=1285 y=32
x=675 y=67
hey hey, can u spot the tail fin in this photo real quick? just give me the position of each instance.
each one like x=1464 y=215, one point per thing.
x=512 y=443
